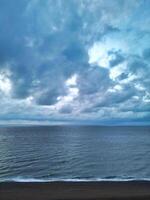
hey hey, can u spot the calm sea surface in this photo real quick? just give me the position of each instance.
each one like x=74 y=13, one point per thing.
x=74 y=152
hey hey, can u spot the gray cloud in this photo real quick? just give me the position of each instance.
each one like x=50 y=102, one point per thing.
x=45 y=43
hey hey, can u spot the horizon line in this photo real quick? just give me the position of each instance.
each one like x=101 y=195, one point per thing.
x=71 y=123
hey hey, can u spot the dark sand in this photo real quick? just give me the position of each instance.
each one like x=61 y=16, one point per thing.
x=75 y=190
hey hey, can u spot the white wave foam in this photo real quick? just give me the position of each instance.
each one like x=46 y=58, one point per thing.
x=27 y=180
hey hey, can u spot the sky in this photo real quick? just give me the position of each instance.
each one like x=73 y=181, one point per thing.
x=73 y=61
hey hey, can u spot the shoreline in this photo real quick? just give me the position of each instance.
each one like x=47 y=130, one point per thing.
x=60 y=190
x=88 y=180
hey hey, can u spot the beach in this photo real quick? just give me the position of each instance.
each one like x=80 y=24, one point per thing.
x=135 y=190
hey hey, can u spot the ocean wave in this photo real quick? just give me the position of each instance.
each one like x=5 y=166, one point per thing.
x=32 y=180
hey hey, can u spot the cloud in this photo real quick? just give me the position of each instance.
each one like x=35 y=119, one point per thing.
x=74 y=59
x=146 y=54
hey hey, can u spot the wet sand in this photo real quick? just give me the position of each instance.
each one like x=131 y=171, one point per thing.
x=133 y=190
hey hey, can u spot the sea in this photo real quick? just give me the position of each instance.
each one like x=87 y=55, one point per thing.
x=74 y=153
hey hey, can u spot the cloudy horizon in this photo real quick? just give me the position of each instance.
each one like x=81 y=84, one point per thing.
x=75 y=61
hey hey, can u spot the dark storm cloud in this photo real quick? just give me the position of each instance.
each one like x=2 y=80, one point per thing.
x=27 y=43
x=43 y=44
x=94 y=80
x=146 y=54
x=117 y=58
